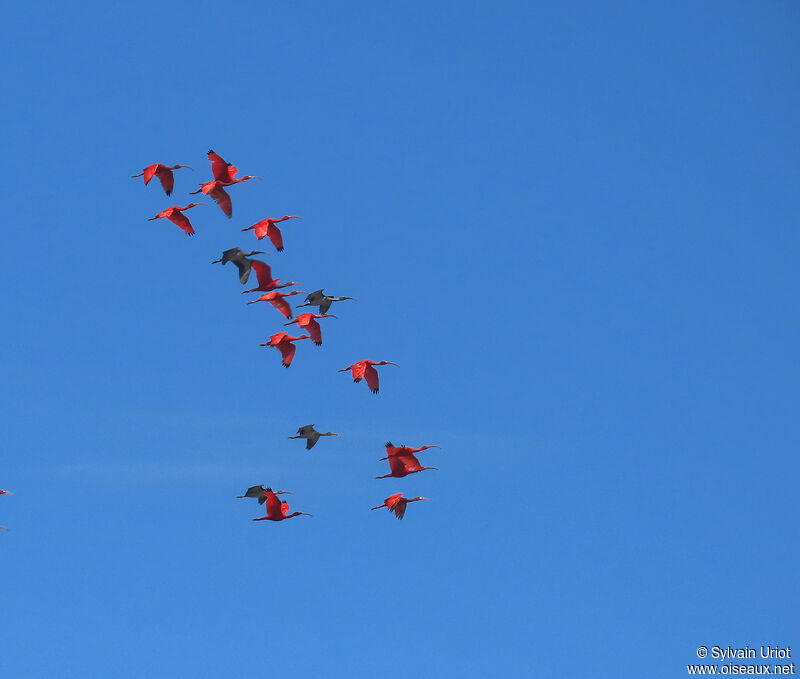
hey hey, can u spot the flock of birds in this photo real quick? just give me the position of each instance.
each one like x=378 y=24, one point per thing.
x=402 y=459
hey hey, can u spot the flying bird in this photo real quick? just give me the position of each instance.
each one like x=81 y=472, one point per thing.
x=308 y=322
x=222 y=170
x=277 y=510
x=176 y=216
x=163 y=172
x=277 y=300
x=311 y=435
x=260 y=493
x=323 y=301
x=403 y=464
x=283 y=342
x=364 y=369
x=397 y=503
x=239 y=258
x=265 y=281
x=220 y=196
x=266 y=227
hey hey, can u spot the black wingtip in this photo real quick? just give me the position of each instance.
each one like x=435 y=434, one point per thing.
x=374 y=391
x=319 y=344
x=169 y=193
x=279 y=249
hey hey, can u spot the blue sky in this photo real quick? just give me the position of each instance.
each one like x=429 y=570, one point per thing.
x=573 y=225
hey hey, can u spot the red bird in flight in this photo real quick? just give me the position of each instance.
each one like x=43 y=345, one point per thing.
x=225 y=172
x=277 y=510
x=397 y=503
x=266 y=227
x=364 y=369
x=283 y=342
x=163 y=172
x=276 y=300
x=265 y=281
x=403 y=463
x=176 y=216
x=308 y=323
x=222 y=170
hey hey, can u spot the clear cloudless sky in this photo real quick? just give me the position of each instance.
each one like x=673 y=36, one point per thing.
x=575 y=227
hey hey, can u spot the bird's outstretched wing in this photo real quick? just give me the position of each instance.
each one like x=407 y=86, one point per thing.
x=222 y=199
x=182 y=221
x=167 y=179
x=244 y=265
x=149 y=173
x=274 y=234
x=400 y=508
x=263 y=272
x=315 y=332
x=282 y=305
x=358 y=371
x=273 y=502
x=392 y=500
x=287 y=350
x=372 y=378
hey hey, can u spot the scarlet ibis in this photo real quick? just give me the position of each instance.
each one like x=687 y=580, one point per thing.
x=223 y=171
x=308 y=322
x=276 y=300
x=266 y=227
x=277 y=510
x=239 y=258
x=397 y=503
x=163 y=172
x=323 y=301
x=364 y=369
x=176 y=216
x=283 y=342
x=311 y=435
x=261 y=493
x=265 y=282
x=6 y=492
x=405 y=450
x=402 y=464
x=214 y=190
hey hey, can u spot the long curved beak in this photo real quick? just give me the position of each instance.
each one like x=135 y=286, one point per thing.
x=378 y=507
x=283 y=492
